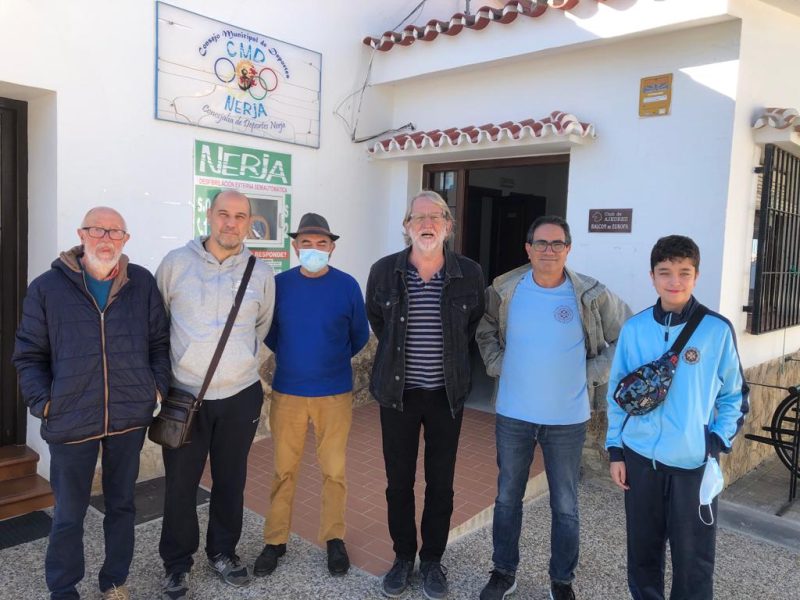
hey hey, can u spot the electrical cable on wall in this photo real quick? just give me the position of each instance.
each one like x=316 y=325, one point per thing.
x=351 y=128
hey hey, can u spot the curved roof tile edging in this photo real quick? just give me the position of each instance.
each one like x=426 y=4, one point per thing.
x=559 y=124
x=459 y=21
x=778 y=118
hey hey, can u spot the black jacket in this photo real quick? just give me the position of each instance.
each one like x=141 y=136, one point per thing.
x=94 y=373
x=387 y=310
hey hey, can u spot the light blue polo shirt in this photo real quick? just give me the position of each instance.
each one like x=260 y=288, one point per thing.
x=543 y=379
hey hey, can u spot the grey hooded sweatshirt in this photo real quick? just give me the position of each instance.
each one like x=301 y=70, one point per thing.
x=198 y=293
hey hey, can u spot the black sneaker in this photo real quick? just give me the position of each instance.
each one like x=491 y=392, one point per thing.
x=338 y=561
x=230 y=569
x=434 y=579
x=561 y=591
x=395 y=581
x=267 y=561
x=175 y=587
x=500 y=585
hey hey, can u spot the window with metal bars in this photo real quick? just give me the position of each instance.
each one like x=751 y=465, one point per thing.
x=775 y=281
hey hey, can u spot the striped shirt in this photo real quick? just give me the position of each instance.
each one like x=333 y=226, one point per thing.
x=424 y=344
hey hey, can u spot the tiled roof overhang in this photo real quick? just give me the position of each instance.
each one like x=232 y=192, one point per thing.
x=779 y=126
x=556 y=133
x=459 y=21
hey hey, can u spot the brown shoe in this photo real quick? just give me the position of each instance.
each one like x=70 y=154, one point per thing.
x=117 y=593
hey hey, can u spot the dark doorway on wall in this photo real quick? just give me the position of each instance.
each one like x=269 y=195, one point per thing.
x=13 y=259
x=494 y=202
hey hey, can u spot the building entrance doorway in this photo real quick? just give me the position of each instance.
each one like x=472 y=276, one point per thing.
x=494 y=203
x=13 y=259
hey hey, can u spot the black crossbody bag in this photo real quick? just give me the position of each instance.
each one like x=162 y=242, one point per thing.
x=645 y=388
x=172 y=427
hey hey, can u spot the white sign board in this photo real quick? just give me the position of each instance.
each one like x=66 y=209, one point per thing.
x=215 y=75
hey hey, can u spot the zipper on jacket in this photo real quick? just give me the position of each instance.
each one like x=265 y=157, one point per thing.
x=102 y=347
x=667 y=325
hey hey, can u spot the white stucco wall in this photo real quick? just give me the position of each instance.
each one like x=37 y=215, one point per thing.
x=770 y=45
x=673 y=171
x=87 y=70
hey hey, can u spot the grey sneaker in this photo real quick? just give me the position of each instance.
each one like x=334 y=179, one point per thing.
x=434 y=579
x=561 y=591
x=230 y=569
x=500 y=585
x=176 y=587
x=395 y=581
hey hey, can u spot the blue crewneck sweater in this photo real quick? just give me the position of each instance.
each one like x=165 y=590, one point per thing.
x=319 y=324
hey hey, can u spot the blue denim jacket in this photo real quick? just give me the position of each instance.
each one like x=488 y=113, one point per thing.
x=387 y=311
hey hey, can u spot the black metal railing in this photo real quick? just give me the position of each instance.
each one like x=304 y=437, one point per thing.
x=776 y=289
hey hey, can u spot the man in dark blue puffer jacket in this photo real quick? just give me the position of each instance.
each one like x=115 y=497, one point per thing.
x=92 y=353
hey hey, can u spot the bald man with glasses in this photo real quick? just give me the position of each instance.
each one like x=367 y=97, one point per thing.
x=549 y=336
x=92 y=353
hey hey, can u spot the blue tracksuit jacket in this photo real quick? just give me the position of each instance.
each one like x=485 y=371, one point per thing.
x=707 y=402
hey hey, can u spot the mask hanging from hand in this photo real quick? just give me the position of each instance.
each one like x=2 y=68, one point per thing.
x=313 y=260
x=712 y=484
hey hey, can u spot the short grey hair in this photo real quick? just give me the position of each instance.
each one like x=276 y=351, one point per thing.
x=438 y=201
x=103 y=209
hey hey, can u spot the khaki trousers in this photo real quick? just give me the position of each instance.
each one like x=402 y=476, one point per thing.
x=288 y=418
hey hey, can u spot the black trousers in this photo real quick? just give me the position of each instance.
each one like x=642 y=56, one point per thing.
x=662 y=504
x=224 y=430
x=429 y=410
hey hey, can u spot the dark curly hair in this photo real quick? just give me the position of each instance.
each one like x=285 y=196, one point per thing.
x=675 y=247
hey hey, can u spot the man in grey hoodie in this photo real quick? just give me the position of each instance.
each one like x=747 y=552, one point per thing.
x=199 y=282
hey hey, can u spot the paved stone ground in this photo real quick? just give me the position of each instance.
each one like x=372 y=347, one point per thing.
x=746 y=568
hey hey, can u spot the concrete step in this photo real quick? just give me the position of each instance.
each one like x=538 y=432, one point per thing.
x=758 y=524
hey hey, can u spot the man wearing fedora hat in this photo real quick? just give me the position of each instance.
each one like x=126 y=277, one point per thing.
x=320 y=323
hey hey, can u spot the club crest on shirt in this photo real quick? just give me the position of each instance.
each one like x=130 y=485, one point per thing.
x=563 y=314
x=691 y=356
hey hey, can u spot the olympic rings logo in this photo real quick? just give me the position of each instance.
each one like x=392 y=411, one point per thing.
x=258 y=83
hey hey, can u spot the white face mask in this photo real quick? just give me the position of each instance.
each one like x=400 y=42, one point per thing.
x=313 y=260
x=710 y=487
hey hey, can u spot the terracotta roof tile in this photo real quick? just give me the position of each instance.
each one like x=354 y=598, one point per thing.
x=559 y=124
x=778 y=118
x=459 y=21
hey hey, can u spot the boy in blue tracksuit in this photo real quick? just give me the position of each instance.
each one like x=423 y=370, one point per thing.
x=658 y=458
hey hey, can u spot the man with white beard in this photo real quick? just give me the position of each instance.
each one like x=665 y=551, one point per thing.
x=424 y=304
x=92 y=353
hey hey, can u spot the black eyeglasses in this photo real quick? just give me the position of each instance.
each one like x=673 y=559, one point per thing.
x=541 y=246
x=100 y=232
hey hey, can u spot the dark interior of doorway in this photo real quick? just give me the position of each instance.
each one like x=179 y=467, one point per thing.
x=13 y=259
x=500 y=203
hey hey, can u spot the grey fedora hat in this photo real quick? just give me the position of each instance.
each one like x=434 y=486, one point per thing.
x=313 y=223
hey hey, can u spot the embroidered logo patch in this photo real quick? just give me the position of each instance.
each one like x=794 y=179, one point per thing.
x=563 y=314
x=691 y=356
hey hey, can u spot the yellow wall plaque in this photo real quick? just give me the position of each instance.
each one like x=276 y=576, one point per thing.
x=655 y=95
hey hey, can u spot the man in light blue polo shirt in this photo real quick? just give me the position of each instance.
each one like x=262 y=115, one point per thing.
x=549 y=335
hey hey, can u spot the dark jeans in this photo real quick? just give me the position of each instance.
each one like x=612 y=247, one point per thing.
x=72 y=469
x=430 y=410
x=562 y=446
x=663 y=505
x=223 y=430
